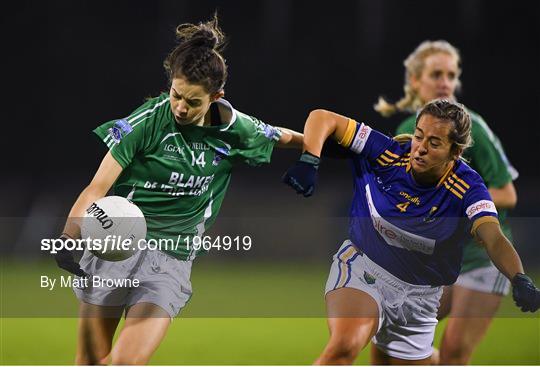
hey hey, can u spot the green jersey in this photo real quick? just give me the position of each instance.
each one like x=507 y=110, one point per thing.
x=487 y=157
x=178 y=175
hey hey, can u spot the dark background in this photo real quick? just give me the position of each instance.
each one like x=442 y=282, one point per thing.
x=71 y=65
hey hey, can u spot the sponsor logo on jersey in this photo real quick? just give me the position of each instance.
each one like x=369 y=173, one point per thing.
x=190 y=185
x=225 y=150
x=430 y=217
x=174 y=152
x=100 y=215
x=198 y=145
x=412 y=199
x=120 y=129
x=217 y=158
x=269 y=131
x=221 y=152
x=360 y=138
x=482 y=206
x=395 y=236
x=174 y=149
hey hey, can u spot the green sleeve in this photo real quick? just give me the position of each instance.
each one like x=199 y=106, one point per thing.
x=122 y=140
x=407 y=126
x=256 y=140
x=126 y=137
x=487 y=156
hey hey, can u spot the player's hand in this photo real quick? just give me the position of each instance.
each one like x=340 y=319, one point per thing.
x=303 y=175
x=525 y=294
x=64 y=260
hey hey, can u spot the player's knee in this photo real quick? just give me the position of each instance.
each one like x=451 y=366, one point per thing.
x=455 y=352
x=90 y=360
x=129 y=359
x=454 y=359
x=343 y=349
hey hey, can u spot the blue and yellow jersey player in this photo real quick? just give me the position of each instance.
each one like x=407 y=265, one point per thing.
x=432 y=71
x=414 y=203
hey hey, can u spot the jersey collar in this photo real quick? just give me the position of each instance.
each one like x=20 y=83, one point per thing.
x=229 y=110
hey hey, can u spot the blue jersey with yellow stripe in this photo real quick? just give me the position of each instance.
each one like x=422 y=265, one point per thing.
x=414 y=232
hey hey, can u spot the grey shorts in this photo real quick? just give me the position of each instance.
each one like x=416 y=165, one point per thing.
x=407 y=312
x=487 y=280
x=148 y=276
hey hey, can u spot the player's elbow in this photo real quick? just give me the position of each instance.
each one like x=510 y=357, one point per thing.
x=512 y=199
x=95 y=190
x=495 y=243
x=504 y=197
x=320 y=114
x=322 y=120
x=510 y=196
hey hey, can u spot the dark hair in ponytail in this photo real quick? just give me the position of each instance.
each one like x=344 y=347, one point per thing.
x=197 y=56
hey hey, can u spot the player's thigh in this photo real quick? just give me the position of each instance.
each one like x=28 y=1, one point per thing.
x=378 y=357
x=145 y=327
x=445 y=303
x=471 y=315
x=353 y=316
x=96 y=328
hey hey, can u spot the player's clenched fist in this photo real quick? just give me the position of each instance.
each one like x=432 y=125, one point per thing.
x=303 y=175
x=525 y=294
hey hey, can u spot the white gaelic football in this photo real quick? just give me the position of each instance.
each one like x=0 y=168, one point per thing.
x=115 y=227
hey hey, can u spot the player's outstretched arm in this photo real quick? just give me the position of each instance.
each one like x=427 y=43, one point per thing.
x=290 y=139
x=320 y=124
x=106 y=175
x=499 y=249
x=506 y=259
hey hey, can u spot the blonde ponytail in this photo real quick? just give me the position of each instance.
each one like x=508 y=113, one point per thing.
x=414 y=65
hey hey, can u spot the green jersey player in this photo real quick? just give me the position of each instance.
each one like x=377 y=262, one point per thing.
x=432 y=71
x=178 y=175
x=173 y=158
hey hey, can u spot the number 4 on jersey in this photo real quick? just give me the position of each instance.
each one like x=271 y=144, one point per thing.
x=198 y=161
x=403 y=206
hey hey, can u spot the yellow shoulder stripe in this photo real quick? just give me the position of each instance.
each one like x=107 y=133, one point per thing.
x=456 y=185
x=393 y=155
x=453 y=183
x=452 y=190
x=446 y=174
x=381 y=162
x=387 y=157
x=466 y=185
x=402 y=162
